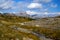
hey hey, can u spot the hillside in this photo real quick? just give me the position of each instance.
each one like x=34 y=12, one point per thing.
x=8 y=22
x=50 y=27
x=13 y=18
x=14 y=27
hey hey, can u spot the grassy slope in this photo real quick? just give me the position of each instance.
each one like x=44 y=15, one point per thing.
x=50 y=27
x=7 y=33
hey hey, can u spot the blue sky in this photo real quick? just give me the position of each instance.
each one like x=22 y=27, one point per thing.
x=30 y=6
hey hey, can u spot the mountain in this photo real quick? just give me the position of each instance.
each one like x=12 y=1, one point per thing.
x=23 y=14
x=38 y=16
x=34 y=16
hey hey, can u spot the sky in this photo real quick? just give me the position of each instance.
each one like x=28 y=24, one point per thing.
x=30 y=6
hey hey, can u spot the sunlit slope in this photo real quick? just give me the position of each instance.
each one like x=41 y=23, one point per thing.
x=50 y=27
x=15 y=27
x=13 y=18
x=8 y=33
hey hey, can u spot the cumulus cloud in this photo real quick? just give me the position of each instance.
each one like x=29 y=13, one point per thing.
x=35 y=5
x=31 y=12
x=42 y=14
x=45 y=12
x=23 y=6
x=35 y=12
x=6 y=4
x=12 y=6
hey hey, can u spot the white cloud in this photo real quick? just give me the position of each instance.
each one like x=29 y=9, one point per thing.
x=35 y=5
x=6 y=4
x=58 y=13
x=20 y=6
x=34 y=12
x=45 y=12
x=31 y=12
x=9 y=5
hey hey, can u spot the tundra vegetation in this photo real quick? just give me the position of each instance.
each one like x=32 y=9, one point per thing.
x=50 y=27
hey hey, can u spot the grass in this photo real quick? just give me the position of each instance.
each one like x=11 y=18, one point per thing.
x=6 y=33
